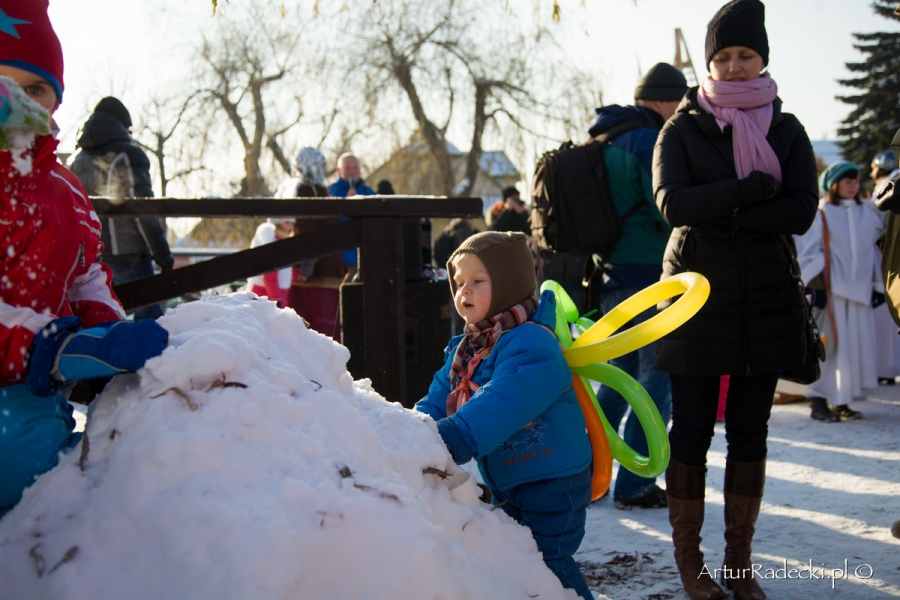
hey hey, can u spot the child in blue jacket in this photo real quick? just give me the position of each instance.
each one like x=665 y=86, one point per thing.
x=505 y=397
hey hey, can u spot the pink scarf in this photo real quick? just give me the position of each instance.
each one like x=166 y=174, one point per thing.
x=747 y=107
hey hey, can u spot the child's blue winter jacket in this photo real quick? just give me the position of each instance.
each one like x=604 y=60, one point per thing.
x=523 y=424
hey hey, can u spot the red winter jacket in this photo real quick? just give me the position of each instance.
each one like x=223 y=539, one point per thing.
x=48 y=268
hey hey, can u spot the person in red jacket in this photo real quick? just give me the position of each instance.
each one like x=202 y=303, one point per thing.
x=60 y=320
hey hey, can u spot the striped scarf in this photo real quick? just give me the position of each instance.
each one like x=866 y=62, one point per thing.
x=477 y=344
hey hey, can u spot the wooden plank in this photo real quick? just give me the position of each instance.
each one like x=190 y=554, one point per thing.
x=370 y=206
x=240 y=265
x=384 y=322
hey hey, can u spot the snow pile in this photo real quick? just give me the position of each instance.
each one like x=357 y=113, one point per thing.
x=22 y=120
x=244 y=462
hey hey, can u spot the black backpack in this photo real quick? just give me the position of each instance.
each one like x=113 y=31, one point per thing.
x=571 y=204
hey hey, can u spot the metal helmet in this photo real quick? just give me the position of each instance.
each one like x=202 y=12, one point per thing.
x=885 y=160
x=310 y=163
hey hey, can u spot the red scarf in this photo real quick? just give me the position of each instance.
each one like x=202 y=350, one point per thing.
x=477 y=344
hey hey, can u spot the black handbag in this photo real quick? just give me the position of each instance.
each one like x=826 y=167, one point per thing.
x=815 y=349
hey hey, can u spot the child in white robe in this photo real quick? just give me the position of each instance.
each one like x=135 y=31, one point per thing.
x=854 y=287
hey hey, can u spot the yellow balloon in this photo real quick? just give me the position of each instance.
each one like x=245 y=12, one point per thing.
x=595 y=344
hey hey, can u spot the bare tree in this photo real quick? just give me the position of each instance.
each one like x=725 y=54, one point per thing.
x=249 y=69
x=449 y=66
x=162 y=117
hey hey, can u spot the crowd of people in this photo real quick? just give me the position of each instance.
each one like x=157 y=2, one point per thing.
x=715 y=179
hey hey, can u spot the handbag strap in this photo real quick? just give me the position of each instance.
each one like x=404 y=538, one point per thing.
x=827 y=251
x=792 y=253
x=827 y=248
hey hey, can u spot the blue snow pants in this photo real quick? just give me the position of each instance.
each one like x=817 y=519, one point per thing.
x=555 y=510
x=33 y=431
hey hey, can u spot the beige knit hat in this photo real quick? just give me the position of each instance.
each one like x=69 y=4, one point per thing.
x=508 y=261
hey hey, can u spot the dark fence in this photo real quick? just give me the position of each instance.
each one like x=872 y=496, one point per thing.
x=375 y=228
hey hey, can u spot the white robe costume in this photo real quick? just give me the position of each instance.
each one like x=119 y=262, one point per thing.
x=855 y=274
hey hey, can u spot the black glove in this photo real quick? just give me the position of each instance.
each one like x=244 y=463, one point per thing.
x=888 y=197
x=757 y=187
x=877 y=299
x=820 y=298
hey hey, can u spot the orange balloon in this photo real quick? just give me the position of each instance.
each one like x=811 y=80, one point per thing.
x=599 y=444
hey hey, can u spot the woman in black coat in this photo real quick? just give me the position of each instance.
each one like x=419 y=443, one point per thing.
x=734 y=177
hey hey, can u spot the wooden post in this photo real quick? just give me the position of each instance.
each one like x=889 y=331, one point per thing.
x=384 y=318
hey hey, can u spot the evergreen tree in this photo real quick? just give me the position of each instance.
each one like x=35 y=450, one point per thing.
x=871 y=125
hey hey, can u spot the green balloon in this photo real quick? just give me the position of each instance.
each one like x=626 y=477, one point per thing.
x=635 y=395
x=566 y=311
x=645 y=410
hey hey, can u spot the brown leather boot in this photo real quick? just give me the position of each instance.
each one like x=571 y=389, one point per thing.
x=685 y=487
x=744 y=484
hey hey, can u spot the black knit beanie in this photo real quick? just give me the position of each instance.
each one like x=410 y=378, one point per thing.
x=508 y=261
x=114 y=107
x=738 y=23
x=662 y=82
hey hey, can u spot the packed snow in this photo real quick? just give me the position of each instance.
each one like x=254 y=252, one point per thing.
x=831 y=496
x=244 y=462
x=290 y=480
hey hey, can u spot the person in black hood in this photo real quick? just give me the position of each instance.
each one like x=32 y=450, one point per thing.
x=110 y=164
x=735 y=177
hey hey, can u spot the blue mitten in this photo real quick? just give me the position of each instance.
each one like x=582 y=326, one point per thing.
x=62 y=352
x=453 y=438
x=877 y=299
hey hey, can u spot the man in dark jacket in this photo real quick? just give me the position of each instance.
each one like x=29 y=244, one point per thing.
x=111 y=164
x=514 y=215
x=635 y=261
x=349 y=183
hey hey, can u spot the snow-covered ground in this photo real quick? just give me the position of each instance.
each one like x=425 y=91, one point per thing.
x=291 y=481
x=832 y=492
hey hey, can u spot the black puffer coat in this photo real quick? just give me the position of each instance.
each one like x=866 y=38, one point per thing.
x=111 y=164
x=727 y=230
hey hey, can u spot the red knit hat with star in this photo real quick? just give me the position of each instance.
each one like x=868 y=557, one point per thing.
x=28 y=42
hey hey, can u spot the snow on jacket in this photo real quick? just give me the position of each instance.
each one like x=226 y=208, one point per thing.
x=265 y=234
x=48 y=267
x=855 y=261
x=754 y=319
x=111 y=164
x=629 y=160
x=524 y=421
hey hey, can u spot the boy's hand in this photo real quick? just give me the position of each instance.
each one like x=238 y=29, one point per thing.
x=64 y=352
x=455 y=442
